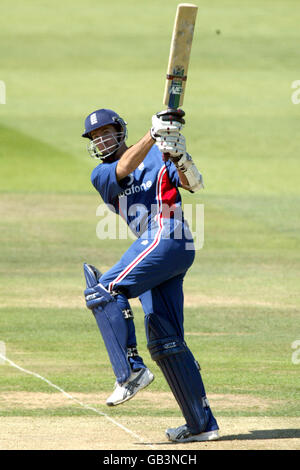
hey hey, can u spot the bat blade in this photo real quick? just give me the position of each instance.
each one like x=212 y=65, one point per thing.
x=179 y=57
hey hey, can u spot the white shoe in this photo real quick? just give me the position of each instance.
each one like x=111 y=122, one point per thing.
x=182 y=434
x=136 y=382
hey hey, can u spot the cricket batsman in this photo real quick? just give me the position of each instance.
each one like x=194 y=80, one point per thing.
x=141 y=184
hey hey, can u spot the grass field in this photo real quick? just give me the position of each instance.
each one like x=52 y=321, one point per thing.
x=62 y=60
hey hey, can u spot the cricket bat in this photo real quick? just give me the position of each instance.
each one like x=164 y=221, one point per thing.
x=179 y=57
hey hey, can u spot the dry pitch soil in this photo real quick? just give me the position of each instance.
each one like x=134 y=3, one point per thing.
x=136 y=433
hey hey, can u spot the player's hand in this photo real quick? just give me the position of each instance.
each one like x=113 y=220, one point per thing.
x=172 y=146
x=167 y=122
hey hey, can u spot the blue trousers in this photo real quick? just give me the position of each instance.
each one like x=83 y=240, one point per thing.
x=152 y=269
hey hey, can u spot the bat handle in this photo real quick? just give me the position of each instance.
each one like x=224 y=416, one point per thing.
x=172 y=114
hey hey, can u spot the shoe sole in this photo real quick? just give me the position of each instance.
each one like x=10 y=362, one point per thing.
x=115 y=403
x=203 y=436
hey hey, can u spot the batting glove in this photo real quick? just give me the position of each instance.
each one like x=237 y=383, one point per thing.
x=173 y=145
x=167 y=122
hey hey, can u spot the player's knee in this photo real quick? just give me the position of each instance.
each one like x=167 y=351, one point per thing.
x=165 y=347
x=162 y=338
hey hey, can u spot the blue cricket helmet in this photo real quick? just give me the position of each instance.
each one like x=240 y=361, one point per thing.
x=100 y=118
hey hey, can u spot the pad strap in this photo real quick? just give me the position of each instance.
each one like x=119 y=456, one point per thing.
x=128 y=313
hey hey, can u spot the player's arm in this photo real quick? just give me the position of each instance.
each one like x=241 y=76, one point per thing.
x=189 y=175
x=183 y=180
x=166 y=127
x=134 y=156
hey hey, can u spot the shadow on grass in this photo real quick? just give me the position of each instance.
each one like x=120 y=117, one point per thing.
x=264 y=434
x=250 y=436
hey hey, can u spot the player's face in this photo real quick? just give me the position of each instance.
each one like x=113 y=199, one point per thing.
x=105 y=138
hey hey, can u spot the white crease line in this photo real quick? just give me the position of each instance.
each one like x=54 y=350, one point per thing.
x=76 y=401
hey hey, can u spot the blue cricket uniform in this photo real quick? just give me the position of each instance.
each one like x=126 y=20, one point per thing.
x=154 y=266
x=150 y=192
x=153 y=269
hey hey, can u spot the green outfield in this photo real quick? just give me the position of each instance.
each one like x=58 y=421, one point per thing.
x=59 y=62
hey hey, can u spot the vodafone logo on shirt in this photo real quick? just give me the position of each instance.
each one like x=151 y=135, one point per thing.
x=136 y=189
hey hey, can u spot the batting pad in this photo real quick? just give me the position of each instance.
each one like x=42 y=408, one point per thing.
x=185 y=382
x=180 y=370
x=113 y=328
